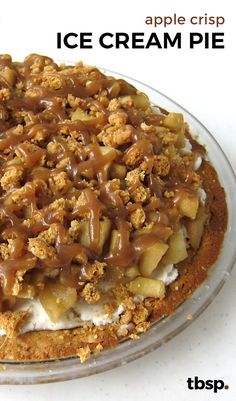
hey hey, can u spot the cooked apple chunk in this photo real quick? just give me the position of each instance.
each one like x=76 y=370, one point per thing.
x=175 y=122
x=139 y=101
x=27 y=291
x=115 y=239
x=195 y=227
x=151 y=257
x=118 y=171
x=147 y=287
x=132 y=272
x=9 y=75
x=56 y=299
x=188 y=205
x=84 y=236
x=177 y=248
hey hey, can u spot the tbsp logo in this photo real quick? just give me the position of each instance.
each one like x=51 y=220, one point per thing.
x=199 y=384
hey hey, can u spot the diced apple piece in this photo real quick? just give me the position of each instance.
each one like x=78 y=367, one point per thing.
x=140 y=101
x=105 y=228
x=9 y=75
x=177 y=249
x=180 y=143
x=132 y=272
x=195 y=227
x=147 y=287
x=175 y=122
x=188 y=206
x=84 y=237
x=56 y=299
x=115 y=239
x=118 y=171
x=14 y=161
x=161 y=129
x=106 y=149
x=141 y=231
x=114 y=152
x=27 y=291
x=151 y=257
x=163 y=231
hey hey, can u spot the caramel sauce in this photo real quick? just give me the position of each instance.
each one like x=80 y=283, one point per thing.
x=95 y=207
x=45 y=113
x=125 y=253
x=9 y=268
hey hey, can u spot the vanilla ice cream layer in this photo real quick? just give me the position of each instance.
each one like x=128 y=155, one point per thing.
x=81 y=313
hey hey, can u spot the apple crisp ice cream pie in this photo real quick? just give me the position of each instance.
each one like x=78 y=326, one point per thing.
x=110 y=213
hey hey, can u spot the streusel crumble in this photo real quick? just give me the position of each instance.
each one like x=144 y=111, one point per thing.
x=110 y=214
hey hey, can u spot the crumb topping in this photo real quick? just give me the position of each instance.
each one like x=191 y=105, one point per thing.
x=95 y=188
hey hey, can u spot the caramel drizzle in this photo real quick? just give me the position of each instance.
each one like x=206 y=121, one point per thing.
x=45 y=112
x=125 y=253
x=9 y=269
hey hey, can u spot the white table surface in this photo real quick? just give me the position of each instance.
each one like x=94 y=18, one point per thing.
x=203 y=82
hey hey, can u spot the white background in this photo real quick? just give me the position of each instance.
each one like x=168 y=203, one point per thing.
x=201 y=80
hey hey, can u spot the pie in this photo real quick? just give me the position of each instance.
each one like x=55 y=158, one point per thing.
x=110 y=212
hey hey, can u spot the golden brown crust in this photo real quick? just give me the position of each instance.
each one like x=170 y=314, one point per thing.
x=86 y=340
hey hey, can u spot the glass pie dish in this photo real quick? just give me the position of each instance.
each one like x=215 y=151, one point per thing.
x=167 y=328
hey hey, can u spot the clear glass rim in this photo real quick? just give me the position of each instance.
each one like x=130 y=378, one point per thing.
x=36 y=372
